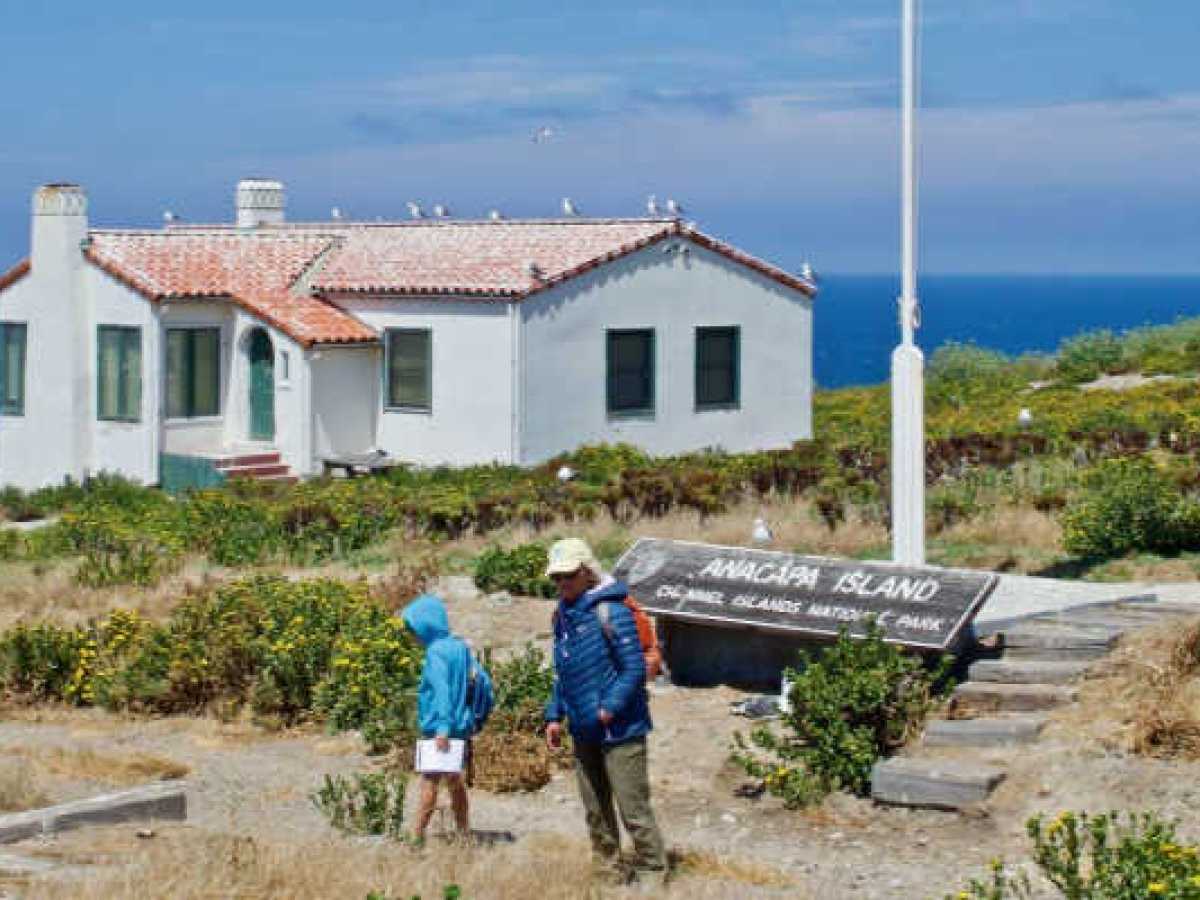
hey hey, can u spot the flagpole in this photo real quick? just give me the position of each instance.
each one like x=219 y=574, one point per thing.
x=908 y=363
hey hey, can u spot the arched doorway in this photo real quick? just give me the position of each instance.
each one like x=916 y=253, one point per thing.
x=262 y=386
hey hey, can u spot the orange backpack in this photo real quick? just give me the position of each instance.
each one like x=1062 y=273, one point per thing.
x=646 y=636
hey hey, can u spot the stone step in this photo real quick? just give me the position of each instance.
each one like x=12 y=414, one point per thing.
x=247 y=459
x=1027 y=671
x=978 y=697
x=935 y=784
x=987 y=732
x=1104 y=617
x=158 y=801
x=1163 y=608
x=1043 y=640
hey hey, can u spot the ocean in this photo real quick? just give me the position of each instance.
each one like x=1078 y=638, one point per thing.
x=856 y=325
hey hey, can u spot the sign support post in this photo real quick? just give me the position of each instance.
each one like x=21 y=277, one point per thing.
x=908 y=363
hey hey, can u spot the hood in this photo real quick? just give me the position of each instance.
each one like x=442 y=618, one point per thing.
x=608 y=589
x=427 y=618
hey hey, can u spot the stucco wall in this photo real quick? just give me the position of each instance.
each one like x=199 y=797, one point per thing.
x=38 y=448
x=128 y=448
x=345 y=398
x=471 y=419
x=562 y=353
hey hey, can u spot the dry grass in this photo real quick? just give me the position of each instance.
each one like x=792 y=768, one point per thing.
x=721 y=868
x=1145 y=697
x=19 y=787
x=1010 y=527
x=47 y=590
x=85 y=764
x=505 y=762
x=185 y=864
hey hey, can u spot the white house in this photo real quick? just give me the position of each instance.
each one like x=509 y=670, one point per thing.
x=269 y=345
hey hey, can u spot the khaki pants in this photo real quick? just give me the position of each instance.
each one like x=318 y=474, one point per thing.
x=620 y=772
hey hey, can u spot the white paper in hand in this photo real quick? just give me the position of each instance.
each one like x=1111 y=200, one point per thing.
x=431 y=760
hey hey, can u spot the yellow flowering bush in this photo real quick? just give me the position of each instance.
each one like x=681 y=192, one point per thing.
x=291 y=649
x=1101 y=857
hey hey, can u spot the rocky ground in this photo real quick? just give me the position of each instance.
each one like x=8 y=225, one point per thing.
x=243 y=780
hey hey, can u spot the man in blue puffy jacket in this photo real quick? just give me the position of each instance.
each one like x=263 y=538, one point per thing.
x=600 y=688
x=442 y=708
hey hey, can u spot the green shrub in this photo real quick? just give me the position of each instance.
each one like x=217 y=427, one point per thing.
x=520 y=570
x=365 y=803
x=854 y=702
x=1100 y=858
x=1128 y=505
x=1087 y=356
x=960 y=373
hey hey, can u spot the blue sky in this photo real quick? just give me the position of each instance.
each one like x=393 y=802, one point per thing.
x=1057 y=135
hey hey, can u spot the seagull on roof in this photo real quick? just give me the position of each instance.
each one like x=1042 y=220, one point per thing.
x=652 y=209
x=495 y=215
x=336 y=214
x=441 y=211
x=414 y=210
x=169 y=217
x=674 y=209
x=569 y=208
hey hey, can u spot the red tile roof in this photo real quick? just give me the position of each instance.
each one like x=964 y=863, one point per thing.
x=280 y=273
x=15 y=274
x=257 y=270
x=492 y=259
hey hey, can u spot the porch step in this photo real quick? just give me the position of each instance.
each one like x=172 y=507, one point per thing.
x=247 y=459
x=932 y=783
x=979 y=697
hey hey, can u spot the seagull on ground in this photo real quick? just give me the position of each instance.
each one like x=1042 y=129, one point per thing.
x=565 y=473
x=761 y=533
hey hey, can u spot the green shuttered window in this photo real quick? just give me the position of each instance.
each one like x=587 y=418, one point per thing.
x=119 y=373
x=631 y=372
x=193 y=372
x=409 y=368
x=717 y=367
x=12 y=368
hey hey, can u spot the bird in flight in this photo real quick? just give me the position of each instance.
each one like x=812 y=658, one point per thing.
x=542 y=134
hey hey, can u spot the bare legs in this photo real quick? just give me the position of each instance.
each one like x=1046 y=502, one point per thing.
x=458 y=801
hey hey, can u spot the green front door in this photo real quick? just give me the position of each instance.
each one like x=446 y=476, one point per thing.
x=262 y=387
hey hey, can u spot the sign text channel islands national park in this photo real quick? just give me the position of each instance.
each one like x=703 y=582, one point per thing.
x=923 y=608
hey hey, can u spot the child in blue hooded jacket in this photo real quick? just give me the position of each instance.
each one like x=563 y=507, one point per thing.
x=443 y=709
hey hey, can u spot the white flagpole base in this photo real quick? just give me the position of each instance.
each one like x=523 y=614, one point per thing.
x=908 y=455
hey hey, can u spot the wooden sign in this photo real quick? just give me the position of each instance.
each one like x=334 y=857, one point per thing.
x=924 y=608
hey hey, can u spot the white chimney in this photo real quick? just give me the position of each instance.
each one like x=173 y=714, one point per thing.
x=59 y=225
x=259 y=202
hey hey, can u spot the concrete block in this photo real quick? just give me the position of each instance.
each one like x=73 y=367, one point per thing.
x=1027 y=671
x=988 y=697
x=19 y=826
x=936 y=784
x=990 y=732
x=159 y=801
